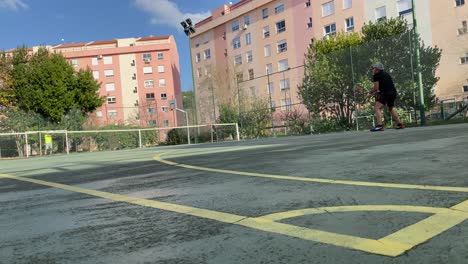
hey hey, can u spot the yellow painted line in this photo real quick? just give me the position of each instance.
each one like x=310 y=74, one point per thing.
x=392 y=245
x=363 y=208
x=159 y=158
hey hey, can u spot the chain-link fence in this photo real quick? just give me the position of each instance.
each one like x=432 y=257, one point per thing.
x=38 y=143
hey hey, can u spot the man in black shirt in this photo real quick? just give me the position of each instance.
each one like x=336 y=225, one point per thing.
x=385 y=92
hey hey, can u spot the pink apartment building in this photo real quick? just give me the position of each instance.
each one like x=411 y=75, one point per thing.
x=262 y=43
x=138 y=77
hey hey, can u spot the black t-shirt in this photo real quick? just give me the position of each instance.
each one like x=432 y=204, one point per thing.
x=386 y=85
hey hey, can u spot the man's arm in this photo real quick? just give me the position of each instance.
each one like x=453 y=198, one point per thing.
x=376 y=87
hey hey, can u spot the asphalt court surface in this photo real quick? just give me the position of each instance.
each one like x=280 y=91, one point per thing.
x=391 y=197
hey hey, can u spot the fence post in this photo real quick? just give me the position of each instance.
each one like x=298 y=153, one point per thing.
x=27 y=144
x=139 y=138
x=40 y=143
x=237 y=132
x=211 y=132
x=66 y=142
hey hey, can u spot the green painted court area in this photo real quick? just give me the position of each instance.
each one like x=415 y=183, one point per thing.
x=357 y=197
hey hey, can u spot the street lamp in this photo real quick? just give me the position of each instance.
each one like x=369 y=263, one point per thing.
x=189 y=30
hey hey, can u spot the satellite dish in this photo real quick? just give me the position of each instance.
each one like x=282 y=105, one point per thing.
x=230 y=3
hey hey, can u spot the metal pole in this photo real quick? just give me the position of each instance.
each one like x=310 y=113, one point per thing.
x=66 y=142
x=27 y=144
x=418 y=65
x=213 y=101
x=40 y=144
x=139 y=138
x=188 y=128
x=356 y=110
x=237 y=132
x=271 y=104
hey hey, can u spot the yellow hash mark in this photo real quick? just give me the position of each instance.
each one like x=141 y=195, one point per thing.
x=392 y=245
x=316 y=180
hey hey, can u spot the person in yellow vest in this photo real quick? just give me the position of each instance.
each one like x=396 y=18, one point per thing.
x=48 y=143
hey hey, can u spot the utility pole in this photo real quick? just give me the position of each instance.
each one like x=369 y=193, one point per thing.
x=418 y=66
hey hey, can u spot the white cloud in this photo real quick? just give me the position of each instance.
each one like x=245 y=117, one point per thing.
x=13 y=4
x=165 y=12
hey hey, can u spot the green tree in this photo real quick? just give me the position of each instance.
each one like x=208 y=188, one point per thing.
x=47 y=84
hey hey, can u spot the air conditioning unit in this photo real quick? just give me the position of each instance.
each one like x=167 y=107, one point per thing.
x=133 y=63
x=146 y=60
x=462 y=31
x=99 y=56
x=246 y=27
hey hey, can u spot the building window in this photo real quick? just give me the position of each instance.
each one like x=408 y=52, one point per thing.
x=149 y=83
x=279 y=8
x=284 y=84
x=253 y=91
x=112 y=113
x=198 y=57
x=163 y=96
x=349 y=24
x=269 y=68
x=459 y=2
x=238 y=60
x=165 y=109
x=208 y=70
x=266 y=32
x=282 y=46
x=267 y=50
x=240 y=77
x=108 y=60
x=207 y=54
x=249 y=56
x=328 y=8
x=110 y=87
x=307 y=3
x=165 y=123
x=236 y=43
x=151 y=110
x=251 y=74
x=281 y=26
x=286 y=104
x=152 y=123
x=330 y=29
x=464 y=60
x=96 y=74
x=270 y=88
x=160 y=55
x=99 y=114
x=347 y=4
x=309 y=24
x=283 y=65
x=265 y=13
x=162 y=82
x=111 y=100
x=199 y=72
x=235 y=25
x=146 y=57
x=404 y=7
x=94 y=61
x=74 y=62
x=246 y=20
x=148 y=70
x=150 y=97
x=108 y=73
x=248 y=39
x=464 y=29
x=380 y=13
x=161 y=68
x=465 y=88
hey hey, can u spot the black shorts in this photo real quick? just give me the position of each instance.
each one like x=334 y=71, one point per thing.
x=386 y=99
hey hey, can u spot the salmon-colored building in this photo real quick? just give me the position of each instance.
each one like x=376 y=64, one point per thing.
x=138 y=77
x=255 y=49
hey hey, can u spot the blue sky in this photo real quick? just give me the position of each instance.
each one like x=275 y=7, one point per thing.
x=40 y=22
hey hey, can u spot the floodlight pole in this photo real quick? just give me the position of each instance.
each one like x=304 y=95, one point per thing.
x=418 y=66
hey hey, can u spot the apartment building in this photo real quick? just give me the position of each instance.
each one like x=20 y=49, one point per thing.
x=255 y=49
x=450 y=33
x=138 y=77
